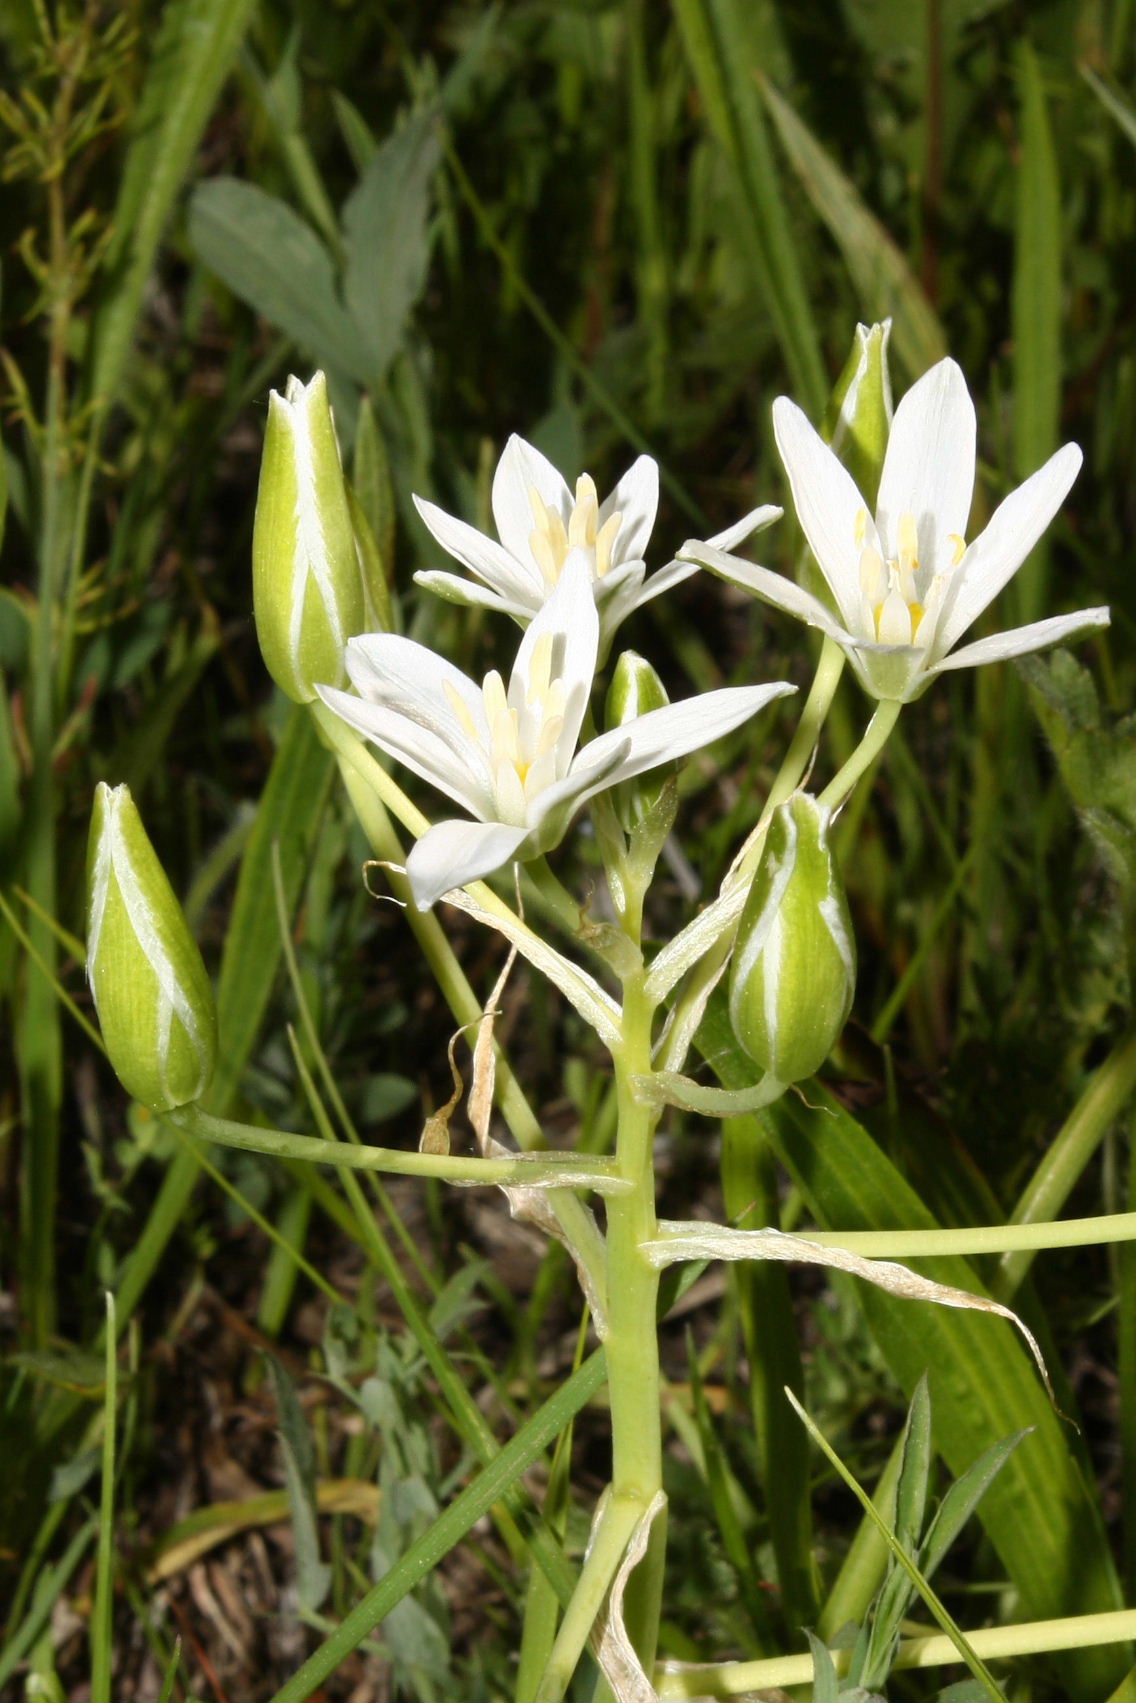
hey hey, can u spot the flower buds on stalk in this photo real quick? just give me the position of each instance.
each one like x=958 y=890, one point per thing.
x=858 y=419
x=794 y=966
x=152 y=993
x=307 y=585
x=634 y=691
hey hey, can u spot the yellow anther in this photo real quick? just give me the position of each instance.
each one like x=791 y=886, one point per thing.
x=860 y=530
x=585 y=512
x=958 y=547
x=605 y=541
x=908 y=541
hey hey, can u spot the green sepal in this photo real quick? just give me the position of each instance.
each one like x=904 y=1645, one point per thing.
x=308 y=595
x=153 y=996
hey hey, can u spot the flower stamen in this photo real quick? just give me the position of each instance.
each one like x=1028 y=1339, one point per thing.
x=551 y=542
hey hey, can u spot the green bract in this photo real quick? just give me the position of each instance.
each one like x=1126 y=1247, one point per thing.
x=154 y=999
x=794 y=966
x=307 y=583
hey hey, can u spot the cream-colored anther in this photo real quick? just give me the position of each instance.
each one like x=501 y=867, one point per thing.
x=908 y=541
x=551 y=542
x=873 y=576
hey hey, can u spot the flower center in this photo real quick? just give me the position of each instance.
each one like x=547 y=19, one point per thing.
x=551 y=542
x=896 y=595
x=525 y=724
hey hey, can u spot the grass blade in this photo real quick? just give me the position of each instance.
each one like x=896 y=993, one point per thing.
x=475 y=1500
x=884 y=281
x=1035 y=311
x=102 y=1616
x=721 y=63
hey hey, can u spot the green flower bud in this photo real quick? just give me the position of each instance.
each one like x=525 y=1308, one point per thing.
x=794 y=965
x=858 y=419
x=635 y=690
x=306 y=581
x=154 y=999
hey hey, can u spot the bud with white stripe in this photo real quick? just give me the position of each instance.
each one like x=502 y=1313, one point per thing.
x=307 y=584
x=794 y=965
x=153 y=996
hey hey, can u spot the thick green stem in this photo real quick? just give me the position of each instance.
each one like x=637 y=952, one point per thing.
x=632 y=1347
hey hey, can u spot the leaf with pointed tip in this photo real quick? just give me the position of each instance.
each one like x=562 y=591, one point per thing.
x=273 y=260
x=386 y=236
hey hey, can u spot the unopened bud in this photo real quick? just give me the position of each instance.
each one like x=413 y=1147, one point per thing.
x=858 y=418
x=794 y=965
x=307 y=585
x=153 y=996
x=635 y=690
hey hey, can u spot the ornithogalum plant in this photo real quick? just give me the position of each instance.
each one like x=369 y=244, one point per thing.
x=522 y=761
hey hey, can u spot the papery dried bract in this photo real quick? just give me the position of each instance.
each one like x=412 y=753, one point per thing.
x=153 y=996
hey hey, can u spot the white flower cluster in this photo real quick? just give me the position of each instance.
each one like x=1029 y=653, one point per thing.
x=904 y=586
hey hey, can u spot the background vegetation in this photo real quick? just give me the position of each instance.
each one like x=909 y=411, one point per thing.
x=611 y=225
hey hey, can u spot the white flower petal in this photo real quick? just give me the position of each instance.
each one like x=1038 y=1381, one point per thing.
x=677 y=569
x=829 y=505
x=674 y=572
x=771 y=588
x=636 y=498
x=928 y=468
x=1019 y=641
x=677 y=729
x=613 y=583
x=523 y=468
x=451 y=853
x=517 y=580
x=570 y=617
x=998 y=552
x=414 y=680
x=551 y=812
x=755 y=521
x=471 y=595
x=459 y=770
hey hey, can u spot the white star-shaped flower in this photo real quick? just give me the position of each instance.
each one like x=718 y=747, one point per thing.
x=904 y=582
x=507 y=754
x=543 y=526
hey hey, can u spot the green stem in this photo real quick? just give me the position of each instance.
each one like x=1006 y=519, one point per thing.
x=1068 y=1154
x=597 y=1173
x=875 y=738
x=617 y=1523
x=993 y=1643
